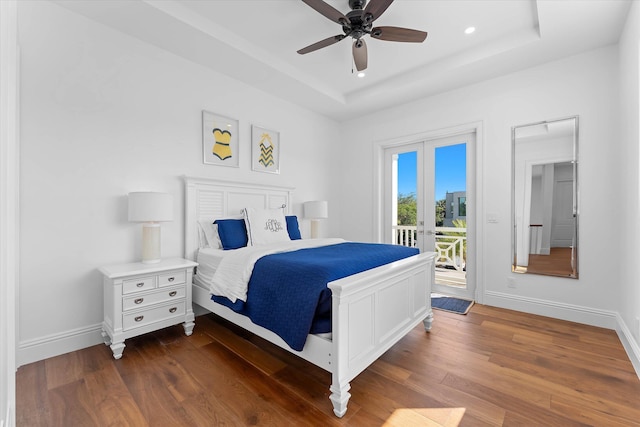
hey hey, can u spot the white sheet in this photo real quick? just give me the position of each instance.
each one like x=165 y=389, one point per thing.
x=231 y=277
x=208 y=260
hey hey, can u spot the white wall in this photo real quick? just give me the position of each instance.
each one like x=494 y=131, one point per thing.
x=103 y=114
x=584 y=85
x=627 y=154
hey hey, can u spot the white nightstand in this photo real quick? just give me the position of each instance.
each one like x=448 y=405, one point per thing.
x=140 y=298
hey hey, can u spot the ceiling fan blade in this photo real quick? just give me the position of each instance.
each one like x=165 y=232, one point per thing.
x=322 y=43
x=360 y=54
x=328 y=11
x=375 y=8
x=397 y=34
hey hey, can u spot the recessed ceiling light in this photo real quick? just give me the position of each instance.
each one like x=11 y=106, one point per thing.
x=361 y=74
x=470 y=30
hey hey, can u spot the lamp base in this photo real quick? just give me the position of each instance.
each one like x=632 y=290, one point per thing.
x=150 y=243
x=315 y=225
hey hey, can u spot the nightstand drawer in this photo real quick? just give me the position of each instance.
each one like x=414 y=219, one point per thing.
x=172 y=278
x=139 y=284
x=157 y=314
x=139 y=301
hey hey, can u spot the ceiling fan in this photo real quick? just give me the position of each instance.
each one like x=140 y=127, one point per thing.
x=357 y=24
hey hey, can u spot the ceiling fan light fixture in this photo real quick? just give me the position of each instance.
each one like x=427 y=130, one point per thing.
x=361 y=74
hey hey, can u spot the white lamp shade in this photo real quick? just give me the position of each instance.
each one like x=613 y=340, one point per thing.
x=316 y=209
x=147 y=206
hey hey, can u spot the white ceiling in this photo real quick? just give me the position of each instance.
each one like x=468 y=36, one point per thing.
x=255 y=41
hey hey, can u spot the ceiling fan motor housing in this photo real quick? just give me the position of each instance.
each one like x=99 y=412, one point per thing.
x=358 y=25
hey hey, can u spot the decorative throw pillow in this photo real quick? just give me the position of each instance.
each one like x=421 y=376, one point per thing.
x=265 y=226
x=232 y=232
x=209 y=235
x=292 y=227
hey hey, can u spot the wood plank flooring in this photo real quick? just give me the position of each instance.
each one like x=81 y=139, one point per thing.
x=492 y=367
x=557 y=263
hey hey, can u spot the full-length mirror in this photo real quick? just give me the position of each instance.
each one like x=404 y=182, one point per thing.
x=545 y=197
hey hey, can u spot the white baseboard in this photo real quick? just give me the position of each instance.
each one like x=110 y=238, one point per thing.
x=56 y=344
x=570 y=312
x=573 y=313
x=629 y=343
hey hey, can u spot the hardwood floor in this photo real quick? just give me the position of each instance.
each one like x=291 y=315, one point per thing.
x=492 y=367
x=557 y=263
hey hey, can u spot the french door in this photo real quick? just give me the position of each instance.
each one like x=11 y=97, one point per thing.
x=433 y=174
x=404 y=178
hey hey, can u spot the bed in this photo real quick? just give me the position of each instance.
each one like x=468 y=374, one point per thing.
x=370 y=310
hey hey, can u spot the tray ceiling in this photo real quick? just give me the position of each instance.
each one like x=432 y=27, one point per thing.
x=255 y=41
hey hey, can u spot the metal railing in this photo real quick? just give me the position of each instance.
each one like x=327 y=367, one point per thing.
x=450 y=243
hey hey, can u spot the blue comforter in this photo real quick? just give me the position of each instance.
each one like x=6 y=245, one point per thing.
x=288 y=291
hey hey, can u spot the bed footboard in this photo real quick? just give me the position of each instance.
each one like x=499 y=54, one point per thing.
x=372 y=310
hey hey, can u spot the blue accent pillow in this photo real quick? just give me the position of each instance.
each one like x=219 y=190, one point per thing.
x=292 y=227
x=232 y=232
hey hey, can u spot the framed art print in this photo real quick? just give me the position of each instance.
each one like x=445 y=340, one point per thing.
x=265 y=150
x=220 y=140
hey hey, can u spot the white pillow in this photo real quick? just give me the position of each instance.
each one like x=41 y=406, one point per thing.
x=265 y=226
x=209 y=237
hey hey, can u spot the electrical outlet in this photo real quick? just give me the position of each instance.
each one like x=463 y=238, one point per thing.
x=511 y=282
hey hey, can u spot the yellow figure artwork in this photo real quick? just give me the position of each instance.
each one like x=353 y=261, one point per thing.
x=221 y=148
x=266 y=151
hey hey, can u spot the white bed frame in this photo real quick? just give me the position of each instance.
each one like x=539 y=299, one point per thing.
x=371 y=310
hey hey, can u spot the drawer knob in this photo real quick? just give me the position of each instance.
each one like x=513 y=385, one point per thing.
x=173 y=309
x=139 y=318
x=173 y=293
x=171 y=279
x=138 y=300
x=141 y=284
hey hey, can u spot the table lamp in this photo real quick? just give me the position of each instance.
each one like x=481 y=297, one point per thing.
x=150 y=208
x=316 y=211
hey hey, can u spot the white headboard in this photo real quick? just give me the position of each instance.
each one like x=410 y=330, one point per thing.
x=210 y=199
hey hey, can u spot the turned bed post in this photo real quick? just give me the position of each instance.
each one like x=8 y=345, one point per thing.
x=339 y=355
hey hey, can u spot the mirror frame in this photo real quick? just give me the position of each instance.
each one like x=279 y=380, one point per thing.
x=576 y=210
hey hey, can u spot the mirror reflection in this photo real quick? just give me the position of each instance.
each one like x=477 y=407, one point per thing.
x=544 y=195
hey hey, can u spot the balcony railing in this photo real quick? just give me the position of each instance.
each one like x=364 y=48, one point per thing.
x=450 y=243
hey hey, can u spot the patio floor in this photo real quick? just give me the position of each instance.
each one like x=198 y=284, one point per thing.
x=451 y=277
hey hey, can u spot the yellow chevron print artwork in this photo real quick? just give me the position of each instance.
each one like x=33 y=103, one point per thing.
x=266 y=151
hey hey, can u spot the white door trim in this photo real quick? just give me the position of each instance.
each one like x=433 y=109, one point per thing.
x=475 y=231
x=9 y=188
